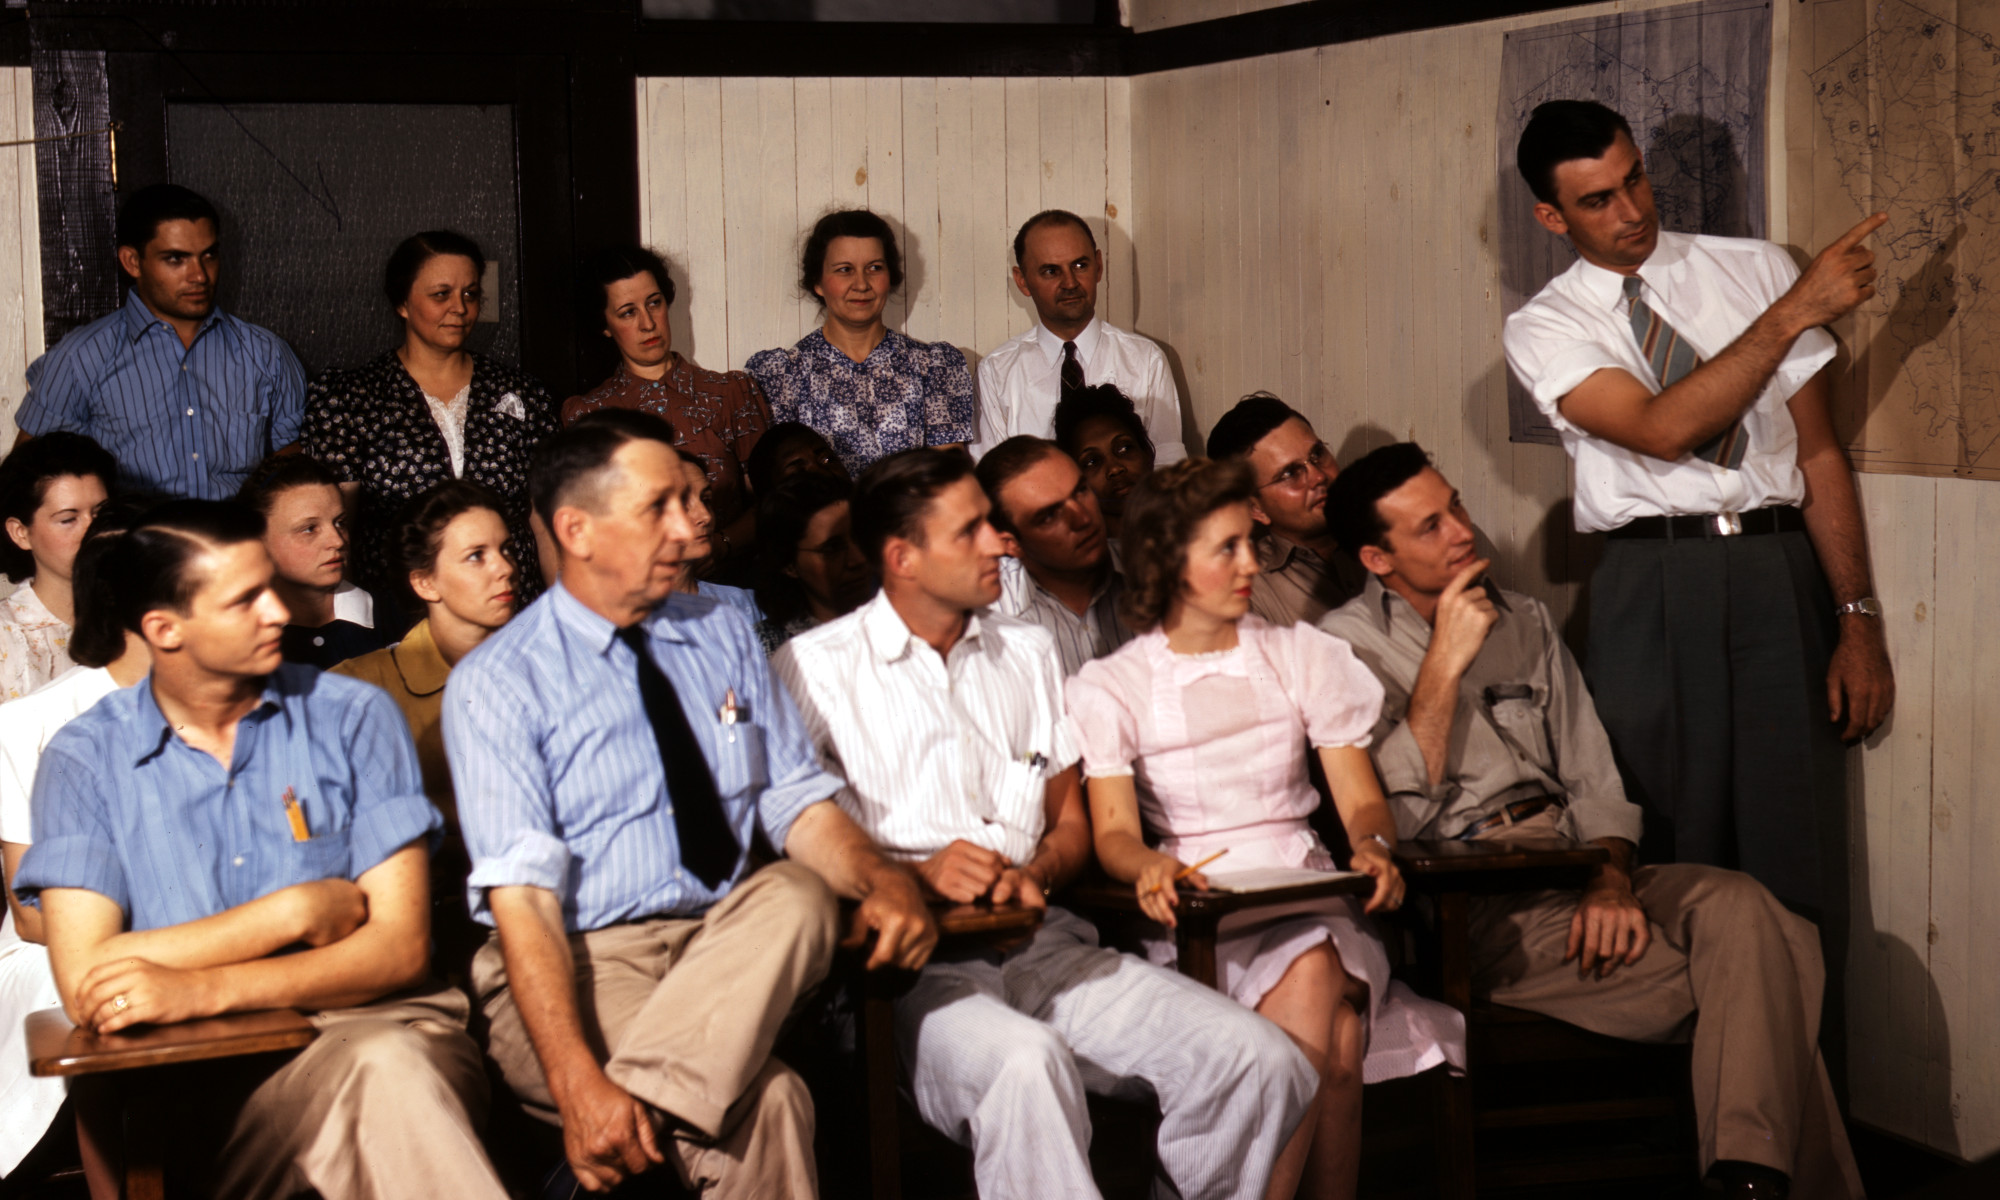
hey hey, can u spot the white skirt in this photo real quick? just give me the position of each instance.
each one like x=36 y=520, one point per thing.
x=27 y=1104
x=1406 y=1033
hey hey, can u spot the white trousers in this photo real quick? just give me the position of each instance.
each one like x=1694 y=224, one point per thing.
x=1000 y=1054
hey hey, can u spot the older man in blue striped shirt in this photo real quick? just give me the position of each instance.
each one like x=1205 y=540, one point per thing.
x=187 y=397
x=615 y=750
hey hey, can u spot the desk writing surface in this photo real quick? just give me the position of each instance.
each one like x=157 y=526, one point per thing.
x=56 y=1047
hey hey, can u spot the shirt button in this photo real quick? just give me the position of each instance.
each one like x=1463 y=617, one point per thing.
x=190 y=412
x=318 y=641
x=239 y=860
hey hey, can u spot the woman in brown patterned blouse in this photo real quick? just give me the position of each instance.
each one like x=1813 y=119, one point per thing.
x=717 y=415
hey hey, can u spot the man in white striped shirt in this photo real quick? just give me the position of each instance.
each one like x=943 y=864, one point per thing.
x=946 y=719
x=1062 y=571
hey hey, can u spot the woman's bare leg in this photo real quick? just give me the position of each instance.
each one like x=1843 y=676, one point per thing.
x=1320 y=1007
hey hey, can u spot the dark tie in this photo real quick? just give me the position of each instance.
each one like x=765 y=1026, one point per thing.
x=708 y=848
x=1671 y=359
x=1072 y=372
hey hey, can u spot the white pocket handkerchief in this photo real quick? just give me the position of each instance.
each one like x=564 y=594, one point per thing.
x=512 y=406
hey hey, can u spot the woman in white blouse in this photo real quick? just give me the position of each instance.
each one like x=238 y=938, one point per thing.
x=1194 y=740
x=50 y=487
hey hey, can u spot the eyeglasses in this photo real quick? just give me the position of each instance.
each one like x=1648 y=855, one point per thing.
x=1294 y=477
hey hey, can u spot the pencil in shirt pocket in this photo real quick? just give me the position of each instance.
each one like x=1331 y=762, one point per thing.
x=296 y=815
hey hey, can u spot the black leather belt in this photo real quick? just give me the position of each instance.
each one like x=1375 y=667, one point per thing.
x=1781 y=518
x=1509 y=814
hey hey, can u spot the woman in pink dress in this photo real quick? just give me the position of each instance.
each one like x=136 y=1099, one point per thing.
x=1194 y=740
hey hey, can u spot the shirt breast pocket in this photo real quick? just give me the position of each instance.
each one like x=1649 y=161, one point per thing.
x=740 y=765
x=1517 y=710
x=324 y=856
x=1018 y=797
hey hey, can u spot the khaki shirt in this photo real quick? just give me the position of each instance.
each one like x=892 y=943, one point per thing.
x=1296 y=584
x=1525 y=724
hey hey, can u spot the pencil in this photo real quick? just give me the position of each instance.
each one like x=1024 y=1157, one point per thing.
x=1184 y=872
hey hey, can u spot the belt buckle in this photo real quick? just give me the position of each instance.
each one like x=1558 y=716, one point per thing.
x=1727 y=524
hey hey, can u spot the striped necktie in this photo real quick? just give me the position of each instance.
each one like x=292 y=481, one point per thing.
x=1072 y=372
x=1671 y=359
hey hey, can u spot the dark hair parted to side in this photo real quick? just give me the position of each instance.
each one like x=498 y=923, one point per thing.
x=892 y=497
x=609 y=266
x=142 y=214
x=421 y=523
x=782 y=517
x=280 y=473
x=25 y=476
x=1098 y=400
x=154 y=565
x=400 y=275
x=1161 y=516
x=564 y=464
x=1048 y=216
x=1350 y=499
x=849 y=222
x=779 y=440
x=1002 y=463
x=1560 y=131
x=1250 y=422
x=97 y=639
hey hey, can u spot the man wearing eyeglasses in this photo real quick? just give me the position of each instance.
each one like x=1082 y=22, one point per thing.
x=1305 y=575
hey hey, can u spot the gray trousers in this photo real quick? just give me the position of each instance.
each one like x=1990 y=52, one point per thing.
x=1000 y=1054
x=1708 y=662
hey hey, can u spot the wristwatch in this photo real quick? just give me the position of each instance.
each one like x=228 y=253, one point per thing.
x=1867 y=606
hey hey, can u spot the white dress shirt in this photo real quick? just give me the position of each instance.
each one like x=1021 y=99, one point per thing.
x=1021 y=381
x=1079 y=638
x=1709 y=289
x=935 y=749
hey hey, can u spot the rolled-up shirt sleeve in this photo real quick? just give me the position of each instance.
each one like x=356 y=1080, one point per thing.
x=286 y=383
x=506 y=805
x=73 y=843
x=390 y=808
x=1551 y=354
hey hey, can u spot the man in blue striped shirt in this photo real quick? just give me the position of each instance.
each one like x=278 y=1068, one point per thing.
x=187 y=397
x=235 y=833
x=615 y=749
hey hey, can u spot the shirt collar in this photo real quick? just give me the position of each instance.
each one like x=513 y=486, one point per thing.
x=154 y=731
x=816 y=342
x=1275 y=551
x=1087 y=342
x=890 y=638
x=28 y=610
x=419 y=661
x=139 y=318
x=598 y=633
x=1607 y=288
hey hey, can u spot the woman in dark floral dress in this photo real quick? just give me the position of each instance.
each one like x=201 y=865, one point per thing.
x=717 y=415
x=430 y=410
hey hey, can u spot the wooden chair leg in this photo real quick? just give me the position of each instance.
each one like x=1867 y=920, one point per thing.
x=878 y=1050
x=145 y=1149
x=1457 y=1165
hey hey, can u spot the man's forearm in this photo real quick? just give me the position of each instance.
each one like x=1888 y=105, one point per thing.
x=1618 y=871
x=1833 y=522
x=1704 y=402
x=827 y=841
x=373 y=961
x=244 y=934
x=542 y=976
x=1433 y=708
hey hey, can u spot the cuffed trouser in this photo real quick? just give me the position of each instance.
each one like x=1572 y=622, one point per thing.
x=1000 y=1054
x=381 y=1106
x=683 y=1014
x=1727 y=959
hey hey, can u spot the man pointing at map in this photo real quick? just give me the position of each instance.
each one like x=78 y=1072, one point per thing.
x=1734 y=639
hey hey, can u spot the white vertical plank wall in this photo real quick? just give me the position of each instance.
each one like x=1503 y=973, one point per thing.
x=734 y=172
x=1322 y=224
x=20 y=248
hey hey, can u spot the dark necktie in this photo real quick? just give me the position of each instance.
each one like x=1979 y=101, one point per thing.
x=1671 y=359
x=708 y=848
x=1072 y=372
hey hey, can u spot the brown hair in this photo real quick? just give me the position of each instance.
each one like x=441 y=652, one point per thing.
x=1161 y=516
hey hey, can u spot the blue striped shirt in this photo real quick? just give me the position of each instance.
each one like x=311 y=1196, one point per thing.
x=182 y=421
x=125 y=809
x=558 y=774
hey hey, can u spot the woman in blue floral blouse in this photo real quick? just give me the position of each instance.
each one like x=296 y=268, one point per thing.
x=868 y=389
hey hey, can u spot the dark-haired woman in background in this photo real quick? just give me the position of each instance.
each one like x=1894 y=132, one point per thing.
x=49 y=489
x=787 y=449
x=107 y=658
x=1101 y=430
x=809 y=568
x=452 y=550
x=1194 y=739
x=305 y=531
x=717 y=415
x=871 y=390
x=429 y=410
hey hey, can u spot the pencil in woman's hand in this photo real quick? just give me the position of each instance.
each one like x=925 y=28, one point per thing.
x=1184 y=872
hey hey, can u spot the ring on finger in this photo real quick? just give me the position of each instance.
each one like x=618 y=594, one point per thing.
x=120 y=1003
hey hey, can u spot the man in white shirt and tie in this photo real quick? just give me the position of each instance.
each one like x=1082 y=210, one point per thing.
x=1734 y=641
x=947 y=721
x=1058 y=266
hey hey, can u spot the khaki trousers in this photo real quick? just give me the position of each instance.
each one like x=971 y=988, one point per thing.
x=683 y=1014
x=1730 y=968
x=382 y=1105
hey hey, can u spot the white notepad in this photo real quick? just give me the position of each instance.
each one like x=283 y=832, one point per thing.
x=1266 y=879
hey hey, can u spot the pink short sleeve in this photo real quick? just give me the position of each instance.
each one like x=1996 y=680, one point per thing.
x=1101 y=714
x=1339 y=698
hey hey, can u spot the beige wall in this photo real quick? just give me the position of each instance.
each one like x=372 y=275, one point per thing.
x=1143 y=15
x=734 y=171
x=20 y=247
